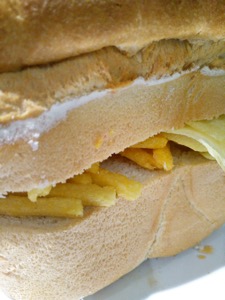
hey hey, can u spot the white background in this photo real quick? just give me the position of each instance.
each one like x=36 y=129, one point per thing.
x=184 y=276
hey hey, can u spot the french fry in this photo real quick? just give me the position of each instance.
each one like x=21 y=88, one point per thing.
x=84 y=178
x=89 y=194
x=140 y=156
x=49 y=207
x=94 y=168
x=163 y=158
x=35 y=193
x=154 y=142
x=125 y=187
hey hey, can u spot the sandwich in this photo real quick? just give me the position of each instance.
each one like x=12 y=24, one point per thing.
x=112 y=125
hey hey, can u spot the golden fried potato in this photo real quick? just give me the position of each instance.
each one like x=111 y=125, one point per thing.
x=35 y=193
x=140 y=156
x=94 y=168
x=154 y=142
x=89 y=194
x=17 y=206
x=163 y=158
x=125 y=187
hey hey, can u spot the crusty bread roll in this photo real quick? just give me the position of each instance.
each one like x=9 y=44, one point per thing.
x=69 y=259
x=81 y=81
x=39 y=32
x=109 y=81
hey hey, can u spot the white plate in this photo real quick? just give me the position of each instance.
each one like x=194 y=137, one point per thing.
x=184 y=276
x=181 y=277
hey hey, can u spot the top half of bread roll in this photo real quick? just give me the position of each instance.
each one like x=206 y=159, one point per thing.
x=81 y=80
x=45 y=31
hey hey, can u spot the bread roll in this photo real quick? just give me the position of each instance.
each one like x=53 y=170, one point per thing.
x=69 y=259
x=92 y=132
x=95 y=104
x=81 y=81
x=39 y=32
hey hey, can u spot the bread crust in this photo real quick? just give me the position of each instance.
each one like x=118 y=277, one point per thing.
x=30 y=92
x=38 y=32
x=175 y=211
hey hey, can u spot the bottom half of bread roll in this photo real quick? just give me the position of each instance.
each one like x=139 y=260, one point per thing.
x=53 y=258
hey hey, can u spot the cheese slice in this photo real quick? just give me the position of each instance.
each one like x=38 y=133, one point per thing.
x=202 y=136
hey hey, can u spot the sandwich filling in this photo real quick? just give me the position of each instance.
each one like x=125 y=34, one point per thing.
x=100 y=187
